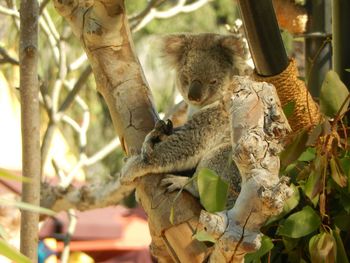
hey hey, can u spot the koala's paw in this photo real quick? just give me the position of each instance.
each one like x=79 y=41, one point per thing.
x=161 y=130
x=174 y=182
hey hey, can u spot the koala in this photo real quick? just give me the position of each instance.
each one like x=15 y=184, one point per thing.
x=204 y=65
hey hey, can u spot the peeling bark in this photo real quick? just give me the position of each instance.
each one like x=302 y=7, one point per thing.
x=103 y=29
x=258 y=127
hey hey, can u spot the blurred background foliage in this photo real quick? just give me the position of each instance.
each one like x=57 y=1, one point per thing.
x=57 y=38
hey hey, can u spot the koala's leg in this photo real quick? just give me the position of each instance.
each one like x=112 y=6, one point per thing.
x=176 y=182
x=183 y=149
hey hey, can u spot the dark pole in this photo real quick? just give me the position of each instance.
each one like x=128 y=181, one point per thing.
x=266 y=45
x=341 y=39
x=318 y=53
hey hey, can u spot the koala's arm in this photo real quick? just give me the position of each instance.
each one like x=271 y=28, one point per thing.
x=183 y=149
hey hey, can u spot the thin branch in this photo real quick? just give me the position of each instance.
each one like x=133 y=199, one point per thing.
x=71 y=229
x=30 y=120
x=151 y=4
x=76 y=88
x=76 y=64
x=50 y=24
x=153 y=13
x=43 y=5
x=6 y=58
x=8 y=11
x=107 y=149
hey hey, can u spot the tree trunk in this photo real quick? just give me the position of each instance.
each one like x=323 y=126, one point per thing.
x=103 y=29
x=30 y=117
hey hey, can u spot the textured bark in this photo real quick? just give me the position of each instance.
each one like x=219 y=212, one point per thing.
x=258 y=127
x=30 y=117
x=103 y=30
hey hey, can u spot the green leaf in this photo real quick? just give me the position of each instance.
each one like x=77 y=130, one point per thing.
x=171 y=216
x=212 y=190
x=308 y=155
x=341 y=254
x=332 y=95
x=5 y=174
x=11 y=253
x=313 y=187
x=347 y=69
x=26 y=206
x=204 y=236
x=293 y=150
x=288 y=109
x=336 y=172
x=266 y=246
x=300 y=224
x=322 y=248
x=290 y=243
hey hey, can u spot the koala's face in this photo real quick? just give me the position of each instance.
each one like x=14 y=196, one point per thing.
x=203 y=75
x=204 y=63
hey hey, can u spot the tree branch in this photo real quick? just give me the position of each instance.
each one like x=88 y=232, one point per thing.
x=30 y=118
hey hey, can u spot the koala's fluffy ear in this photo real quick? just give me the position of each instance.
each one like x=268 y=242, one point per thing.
x=234 y=44
x=174 y=47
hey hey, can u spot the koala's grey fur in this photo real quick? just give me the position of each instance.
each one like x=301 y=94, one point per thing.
x=205 y=65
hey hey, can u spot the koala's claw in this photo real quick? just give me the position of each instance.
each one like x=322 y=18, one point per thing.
x=161 y=130
x=165 y=128
x=174 y=182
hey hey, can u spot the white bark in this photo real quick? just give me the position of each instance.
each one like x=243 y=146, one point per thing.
x=258 y=127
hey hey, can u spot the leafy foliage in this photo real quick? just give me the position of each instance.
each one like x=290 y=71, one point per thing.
x=11 y=253
x=315 y=222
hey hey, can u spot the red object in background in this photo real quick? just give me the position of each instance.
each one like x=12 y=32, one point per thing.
x=113 y=234
x=109 y=235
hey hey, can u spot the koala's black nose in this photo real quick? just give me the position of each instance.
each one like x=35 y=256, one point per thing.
x=195 y=91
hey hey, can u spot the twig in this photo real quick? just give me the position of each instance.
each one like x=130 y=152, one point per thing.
x=76 y=88
x=6 y=58
x=71 y=229
x=111 y=146
x=76 y=64
x=153 y=13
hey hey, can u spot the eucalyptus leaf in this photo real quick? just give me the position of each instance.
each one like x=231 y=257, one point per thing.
x=308 y=155
x=300 y=223
x=5 y=174
x=341 y=253
x=322 y=248
x=313 y=186
x=266 y=246
x=12 y=253
x=290 y=243
x=212 y=190
x=26 y=206
x=336 y=172
x=204 y=236
x=294 y=149
x=171 y=215
x=333 y=94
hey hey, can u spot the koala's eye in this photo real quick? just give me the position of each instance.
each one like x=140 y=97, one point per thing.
x=213 y=81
